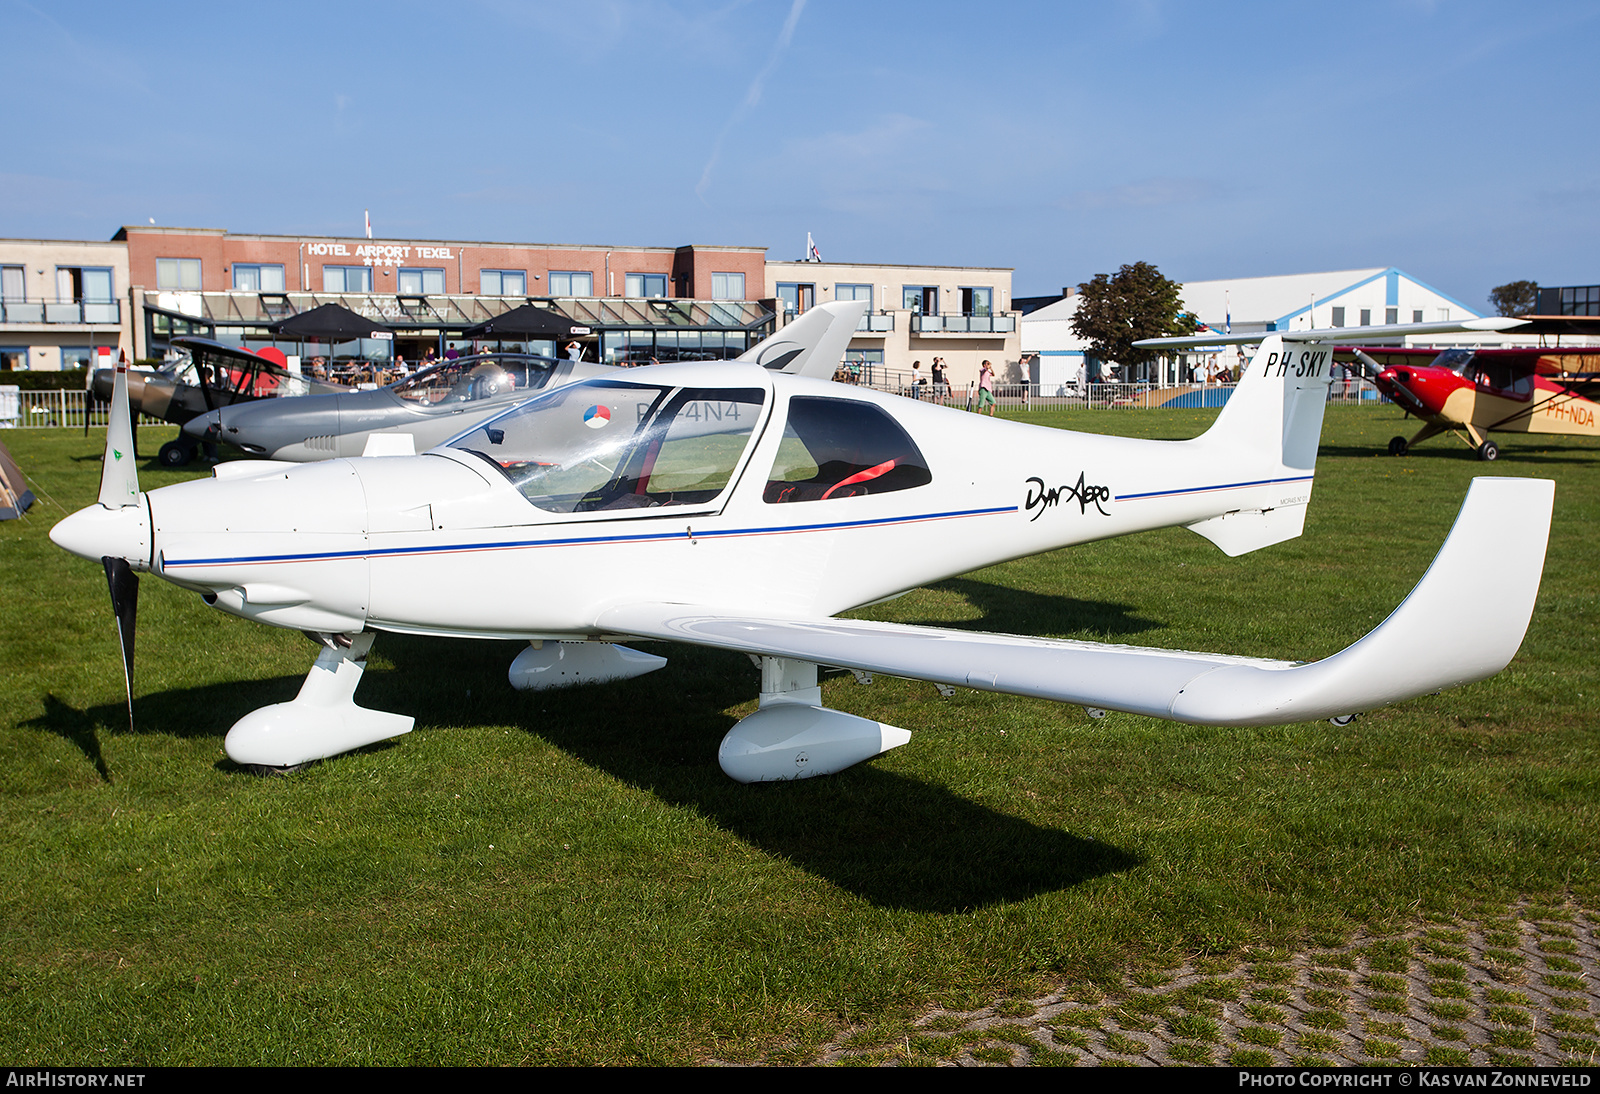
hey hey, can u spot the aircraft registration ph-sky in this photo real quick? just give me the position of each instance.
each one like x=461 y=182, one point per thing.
x=736 y=507
x=1483 y=391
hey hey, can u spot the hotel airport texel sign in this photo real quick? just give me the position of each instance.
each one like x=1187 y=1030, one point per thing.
x=379 y=254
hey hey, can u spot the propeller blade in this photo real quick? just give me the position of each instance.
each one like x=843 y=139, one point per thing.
x=119 y=478
x=124 y=586
x=1368 y=364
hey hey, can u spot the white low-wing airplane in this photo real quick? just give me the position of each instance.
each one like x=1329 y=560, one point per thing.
x=735 y=507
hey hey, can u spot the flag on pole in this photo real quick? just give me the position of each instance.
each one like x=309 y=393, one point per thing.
x=812 y=254
x=368 y=213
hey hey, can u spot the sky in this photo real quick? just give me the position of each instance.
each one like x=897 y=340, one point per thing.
x=1451 y=139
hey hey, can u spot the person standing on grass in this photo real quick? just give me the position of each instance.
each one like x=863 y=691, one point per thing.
x=986 y=388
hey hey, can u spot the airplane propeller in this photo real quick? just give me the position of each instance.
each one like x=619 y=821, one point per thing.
x=124 y=586
x=1368 y=365
x=118 y=528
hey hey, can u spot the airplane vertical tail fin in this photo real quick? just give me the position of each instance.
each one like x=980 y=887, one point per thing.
x=812 y=345
x=1276 y=411
x=1267 y=435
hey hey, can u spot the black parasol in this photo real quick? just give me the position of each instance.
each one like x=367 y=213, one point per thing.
x=329 y=323
x=527 y=321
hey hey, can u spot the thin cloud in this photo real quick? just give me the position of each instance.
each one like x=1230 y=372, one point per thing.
x=752 y=96
x=1141 y=195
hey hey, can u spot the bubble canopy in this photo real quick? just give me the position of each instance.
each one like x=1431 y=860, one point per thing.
x=606 y=445
x=480 y=376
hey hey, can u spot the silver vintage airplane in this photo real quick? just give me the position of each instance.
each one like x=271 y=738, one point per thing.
x=429 y=408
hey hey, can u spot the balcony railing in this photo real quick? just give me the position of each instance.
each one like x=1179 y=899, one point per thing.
x=81 y=312
x=1004 y=323
x=876 y=324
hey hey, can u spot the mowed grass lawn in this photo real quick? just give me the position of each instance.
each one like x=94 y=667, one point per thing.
x=569 y=878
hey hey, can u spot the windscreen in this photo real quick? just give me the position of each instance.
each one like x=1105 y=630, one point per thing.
x=605 y=445
x=470 y=379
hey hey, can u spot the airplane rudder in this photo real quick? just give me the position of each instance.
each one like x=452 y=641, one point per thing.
x=1253 y=413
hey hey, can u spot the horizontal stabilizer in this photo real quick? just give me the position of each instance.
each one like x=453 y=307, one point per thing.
x=1424 y=646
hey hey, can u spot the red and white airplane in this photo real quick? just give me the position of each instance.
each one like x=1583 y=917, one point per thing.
x=1481 y=391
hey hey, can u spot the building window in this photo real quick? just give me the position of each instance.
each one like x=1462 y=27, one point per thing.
x=347 y=279
x=74 y=357
x=178 y=273
x=88 y=284
x=796 y=298
x=727 y=286
x=854 y=292
x=1580 y=300
x=1338 y=317
x=503 y=282
x=1366 y=317
x=920 y=298
x=11 y=284
x=1416 y=316
x=1444 y=315
x=571 y=283
x=1391 y=315
x=258 y=278
x=13 y=357
x=420 y=282
x=977 y=301
x=644 y=285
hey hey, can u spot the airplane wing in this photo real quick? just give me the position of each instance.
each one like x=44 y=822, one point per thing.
x=1385 y=333
x=1454 y=628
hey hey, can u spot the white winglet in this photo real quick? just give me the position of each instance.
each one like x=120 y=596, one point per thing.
x=1458 y=625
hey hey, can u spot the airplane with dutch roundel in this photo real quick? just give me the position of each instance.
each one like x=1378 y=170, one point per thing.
x=732 y=506
x=1475 y=392
x=438 y=402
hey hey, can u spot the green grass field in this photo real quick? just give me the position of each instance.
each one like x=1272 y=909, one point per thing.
x=569 y=878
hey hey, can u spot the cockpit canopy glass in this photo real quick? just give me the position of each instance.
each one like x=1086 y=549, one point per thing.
x=482 y=376
x=1456 y=360
x=841 y=448
x=605 y=445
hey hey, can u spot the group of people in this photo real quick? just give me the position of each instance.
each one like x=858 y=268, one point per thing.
x=938 y=378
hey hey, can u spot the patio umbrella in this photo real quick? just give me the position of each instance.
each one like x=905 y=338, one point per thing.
x=329 y=323
x=527 y=321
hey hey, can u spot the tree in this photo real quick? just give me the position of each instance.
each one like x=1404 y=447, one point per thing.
x=1119 y=309
x=1514 y=298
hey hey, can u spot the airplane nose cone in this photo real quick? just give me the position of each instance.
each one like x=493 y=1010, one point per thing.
x=205 y=423
x=97 y=532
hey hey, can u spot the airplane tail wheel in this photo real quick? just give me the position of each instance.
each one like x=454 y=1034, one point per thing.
x=1398 y=446
x=1488 y=450
x=175 y=454
x=1342 y=719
